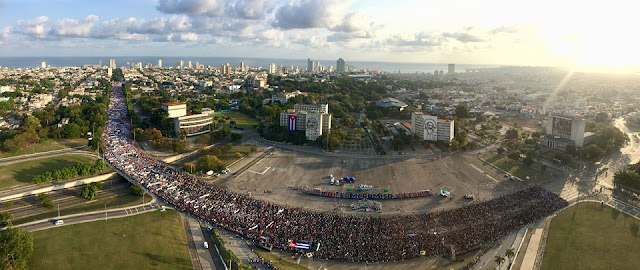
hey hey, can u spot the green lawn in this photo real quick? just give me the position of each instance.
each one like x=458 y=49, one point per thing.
x=587 y=236
x=22 y=173
x=515 y=167
x=49 y=145
x=242 y=120
x=118 y=201
x=154 y=240
x=277 y=261
x=230 y=156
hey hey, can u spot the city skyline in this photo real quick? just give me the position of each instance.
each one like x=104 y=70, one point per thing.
x=408 y=31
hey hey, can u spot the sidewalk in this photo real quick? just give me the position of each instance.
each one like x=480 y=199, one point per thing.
x=37 y=189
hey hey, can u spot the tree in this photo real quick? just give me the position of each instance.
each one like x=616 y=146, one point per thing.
x=5 y=219
x=31 y=122
x=228 y=147
x=90 y=191
x=397 y=143
x=499 y=260
x=152 y=134
x=511 y=134
x=500 y=150
x=209 y=163
x=16 y=247
x=238 y=155
x=515 y=155
x=592 y=152
x=135 y=190
x=462 y=111
x=528 y=160
x=236 y=136
x=138 y=133
x=179 y=145
x=510 y=253
x=72 y=130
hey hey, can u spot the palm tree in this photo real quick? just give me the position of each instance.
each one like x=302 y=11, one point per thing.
x=510 y=253
x=499 y=260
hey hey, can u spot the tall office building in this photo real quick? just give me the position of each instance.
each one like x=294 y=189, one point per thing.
x=160 y=63
x=43 y=64
x=313 y=119
x=340 y=66
x=112 y=63
x=189 y=66
x=272 y=68
x=109 y=72
x=430 y=128
x=197 y=65
x=243 y=67
x=309 y=65
x=181 y=64
x=139 y=65
x=223 y=69
x=228 y=69
x=452 y=69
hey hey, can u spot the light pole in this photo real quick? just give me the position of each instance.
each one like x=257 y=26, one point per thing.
x=105 y=212
x=58 y=209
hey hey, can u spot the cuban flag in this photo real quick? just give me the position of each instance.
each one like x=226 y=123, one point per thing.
x=302 y=245
x=292 y=121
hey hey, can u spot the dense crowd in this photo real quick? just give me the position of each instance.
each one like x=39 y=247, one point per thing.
x=341 y=237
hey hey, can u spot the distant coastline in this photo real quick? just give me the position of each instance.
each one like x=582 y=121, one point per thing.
x=65 y=61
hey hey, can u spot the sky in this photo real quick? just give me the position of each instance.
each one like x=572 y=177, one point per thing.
x=501 y=32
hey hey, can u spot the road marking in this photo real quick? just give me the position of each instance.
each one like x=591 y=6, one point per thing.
x=260 y=173
x=486 y=174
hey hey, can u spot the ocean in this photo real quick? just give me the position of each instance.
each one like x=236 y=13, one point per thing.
x=391 y=67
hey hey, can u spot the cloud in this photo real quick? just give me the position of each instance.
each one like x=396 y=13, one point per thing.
x=210 y=8
x=74 y=27
x=302 y=14
x=35 y=27
x=247 y=9
x=463 y=37
x=421 y=40
x=180 y=37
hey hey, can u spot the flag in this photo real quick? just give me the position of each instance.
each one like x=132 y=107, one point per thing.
x=301 y=245
x=292 y=121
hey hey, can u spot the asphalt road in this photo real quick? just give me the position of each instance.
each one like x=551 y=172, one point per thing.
x=77 y=150
x=89 y=217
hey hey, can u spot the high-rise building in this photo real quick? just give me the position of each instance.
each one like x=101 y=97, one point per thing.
x=43 y=64
x=340 y=66
x=189 y=66
x=197 y=65
x=181 y=64
x=243 y=67
x=272 y=68
x=109 y=72
x=223 y=69
x=564 y=130
x=430 y=128
x=112 y=63
x=452 y=69
x=309 y=65
x=159 y=63
x=316 y=66
x=139 y=65
x=228 y=69
x=313 y=119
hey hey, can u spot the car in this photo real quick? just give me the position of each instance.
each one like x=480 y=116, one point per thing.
x=469 y=196
x=445 y=193
x=206 y=245
x=59 y=222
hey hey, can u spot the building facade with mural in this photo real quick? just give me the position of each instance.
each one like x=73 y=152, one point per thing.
x=431 y=128
x=314 y=120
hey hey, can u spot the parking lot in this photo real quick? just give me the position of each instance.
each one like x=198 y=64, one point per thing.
x=272 y=176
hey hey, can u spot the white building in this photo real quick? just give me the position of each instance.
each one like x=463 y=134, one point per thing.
x=43 y=64
x=109 y=72
x=341 y=66
x=175 y=109
x=562 y=131
x=313 y=119
x=272 y=68
x=430 y=128
x=159 y=63
x=194 y=124
x=112 y=63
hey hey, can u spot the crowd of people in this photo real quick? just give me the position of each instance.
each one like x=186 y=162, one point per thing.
x=340 y=237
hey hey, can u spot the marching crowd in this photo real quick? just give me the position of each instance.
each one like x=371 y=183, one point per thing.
x=341 y=237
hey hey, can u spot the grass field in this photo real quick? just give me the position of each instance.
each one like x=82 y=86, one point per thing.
x=587 y=236
x=22 y=173
x=119 y=201
x=154 y=240
x=515 y=167
x=277 y=261
x=242 y=120
x=230 y=156
x=49 y=145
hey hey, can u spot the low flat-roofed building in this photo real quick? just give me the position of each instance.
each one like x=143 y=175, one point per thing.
x=175 y=109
